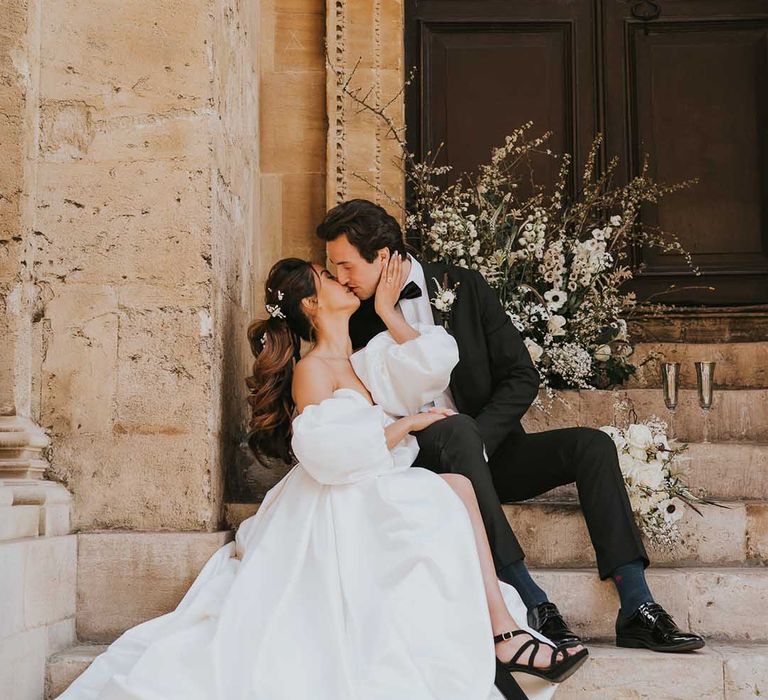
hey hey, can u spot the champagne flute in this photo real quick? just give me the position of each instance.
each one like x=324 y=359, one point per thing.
x=705 y=374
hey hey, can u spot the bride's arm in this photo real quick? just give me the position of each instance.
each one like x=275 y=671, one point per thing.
x=387 y=293
x=396 y=431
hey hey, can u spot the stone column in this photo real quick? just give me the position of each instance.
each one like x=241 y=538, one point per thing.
x=362 y=161
x=22 y=441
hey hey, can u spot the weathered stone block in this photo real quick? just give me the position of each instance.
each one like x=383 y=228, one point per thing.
x=80 y=359
x=716 y=602
x=114 y=214
x=163 y=54
x=12 y=557
x=64 y=667
x=757 y=532
x=745 y=670
x=19 y=521
x=300 y=45
x=303 y=209
x=163 y=375
x=737 y=414
x=555 y=535
x=739 y=365
x=50 y=569
x=729 y=604
x=292 y=108
x=143 y=482
x=127 y=577
x=624 y=674
x=22 y=665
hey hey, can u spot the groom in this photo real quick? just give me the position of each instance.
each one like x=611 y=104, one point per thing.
x=491 y=388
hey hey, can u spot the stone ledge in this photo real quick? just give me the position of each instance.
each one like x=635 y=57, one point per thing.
x=124 y=578
x=37 y=580
x=718 y=672
x=737 y=415
x=728 y=471
x=554 y=534
x=720 y=603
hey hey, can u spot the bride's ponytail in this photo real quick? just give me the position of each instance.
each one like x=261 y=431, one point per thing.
x=276 y=346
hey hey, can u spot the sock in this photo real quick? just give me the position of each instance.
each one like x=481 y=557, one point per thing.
x=516 y=575
x=631 y=586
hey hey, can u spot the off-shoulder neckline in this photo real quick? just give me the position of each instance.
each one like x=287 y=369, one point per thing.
x=333 y=394
x=354 y=391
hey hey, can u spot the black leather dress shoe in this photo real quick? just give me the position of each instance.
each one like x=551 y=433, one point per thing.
x=546 y=618
x=652 y=627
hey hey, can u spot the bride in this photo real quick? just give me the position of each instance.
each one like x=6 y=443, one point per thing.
x=360 y=577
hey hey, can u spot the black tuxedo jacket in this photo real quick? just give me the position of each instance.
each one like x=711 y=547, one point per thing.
x=495 y=381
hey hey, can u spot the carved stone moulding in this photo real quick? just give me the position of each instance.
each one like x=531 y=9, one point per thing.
x=21 y=448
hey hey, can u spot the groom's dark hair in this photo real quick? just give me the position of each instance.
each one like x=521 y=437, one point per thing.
x=366 y=225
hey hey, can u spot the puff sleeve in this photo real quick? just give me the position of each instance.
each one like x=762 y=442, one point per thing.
x=403 y=377
x=341 y=440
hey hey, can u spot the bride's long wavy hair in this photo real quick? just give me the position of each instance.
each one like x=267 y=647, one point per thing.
x=276 y=346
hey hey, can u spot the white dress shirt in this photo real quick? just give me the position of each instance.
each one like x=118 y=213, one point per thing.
x=419 y=310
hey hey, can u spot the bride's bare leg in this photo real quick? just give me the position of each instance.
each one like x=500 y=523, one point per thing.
x=501 y=620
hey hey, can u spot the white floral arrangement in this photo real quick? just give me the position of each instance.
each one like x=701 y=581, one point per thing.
x=557 y=266
x=655 y=478
x=557 y=261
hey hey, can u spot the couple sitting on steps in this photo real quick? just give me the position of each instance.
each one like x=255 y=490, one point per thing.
x=382 y=566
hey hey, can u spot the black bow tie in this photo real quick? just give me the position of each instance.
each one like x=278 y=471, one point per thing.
x=410 y=291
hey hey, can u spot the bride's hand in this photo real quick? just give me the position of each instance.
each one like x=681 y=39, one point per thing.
x=424 y=420
x=393 y=275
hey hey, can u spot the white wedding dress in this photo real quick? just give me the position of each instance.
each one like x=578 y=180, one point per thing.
x=357 y=579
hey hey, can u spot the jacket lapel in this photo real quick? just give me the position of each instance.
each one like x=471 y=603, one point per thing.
x=432 y=272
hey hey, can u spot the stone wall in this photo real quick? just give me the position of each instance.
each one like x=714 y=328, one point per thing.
x=293 y=167
x=139 y=126
x=365 y=45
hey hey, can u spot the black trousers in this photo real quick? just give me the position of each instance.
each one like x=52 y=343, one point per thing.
x=527 y=465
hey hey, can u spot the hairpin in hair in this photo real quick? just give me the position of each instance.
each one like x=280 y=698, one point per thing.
x=274 y=310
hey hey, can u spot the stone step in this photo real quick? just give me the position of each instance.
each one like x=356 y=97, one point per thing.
x=554 y=535
x=718 y=672
x=124 y=578
x=717 y=602
x=739 y=365
x=62 y=668
x=737 y=415
x=724 y=471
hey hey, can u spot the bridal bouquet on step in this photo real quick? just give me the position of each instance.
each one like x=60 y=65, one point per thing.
x=655 y=479
x=558 y=265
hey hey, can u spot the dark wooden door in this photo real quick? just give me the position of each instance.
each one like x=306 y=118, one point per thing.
x=685 y=82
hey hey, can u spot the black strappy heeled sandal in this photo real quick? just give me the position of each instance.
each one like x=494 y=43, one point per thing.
x=556 y=672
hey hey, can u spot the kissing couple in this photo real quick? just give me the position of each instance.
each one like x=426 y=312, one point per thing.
x=382 y=566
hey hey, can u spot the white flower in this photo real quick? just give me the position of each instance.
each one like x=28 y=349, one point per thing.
x=603 y=353
x=444 y=298
x=672 y=509
x=650 y=474
x=622 y=332
x=598 y=234
x=534 y=349
x=556 y=298
x=556 y=325
x=639 y=503
x=640 y=440
x=615 y=220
